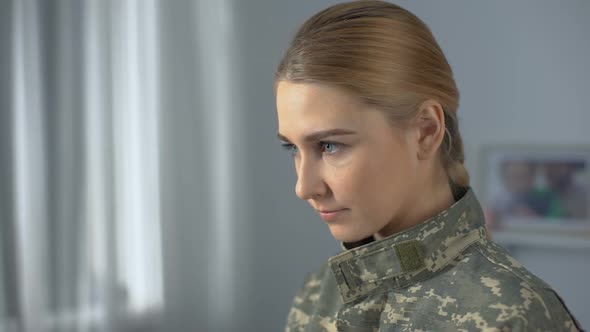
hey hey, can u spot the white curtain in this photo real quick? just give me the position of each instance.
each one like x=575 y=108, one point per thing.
x=84 y=160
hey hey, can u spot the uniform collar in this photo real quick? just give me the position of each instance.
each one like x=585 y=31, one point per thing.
x=415 y=254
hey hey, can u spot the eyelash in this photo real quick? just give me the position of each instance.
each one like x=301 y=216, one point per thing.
x=293 y=149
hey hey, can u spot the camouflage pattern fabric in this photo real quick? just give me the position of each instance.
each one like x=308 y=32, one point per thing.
x=442 y=275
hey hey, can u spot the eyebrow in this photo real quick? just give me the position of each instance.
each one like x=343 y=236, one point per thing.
x=318 y=135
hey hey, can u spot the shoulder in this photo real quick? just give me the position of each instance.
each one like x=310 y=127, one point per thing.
x=486 y=287
x=495 y=261
x=311 y=299
x=483 y=289
x=312 y=284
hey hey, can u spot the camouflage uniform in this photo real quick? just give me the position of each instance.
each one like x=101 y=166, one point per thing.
x=442 y=275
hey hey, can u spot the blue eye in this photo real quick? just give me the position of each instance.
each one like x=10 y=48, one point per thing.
x=330 y=147
x=290 y=147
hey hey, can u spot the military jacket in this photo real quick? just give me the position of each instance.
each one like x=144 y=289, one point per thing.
x=441 y=275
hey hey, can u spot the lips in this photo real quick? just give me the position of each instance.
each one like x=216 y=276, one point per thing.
x=330 y=211
x=331 y=215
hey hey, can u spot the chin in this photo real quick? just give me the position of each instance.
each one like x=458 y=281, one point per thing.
x=347 y=234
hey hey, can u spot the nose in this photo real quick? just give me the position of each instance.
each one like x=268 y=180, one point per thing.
x=309 y=181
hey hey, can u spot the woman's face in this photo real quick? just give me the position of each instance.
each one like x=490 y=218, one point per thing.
x=348 y=159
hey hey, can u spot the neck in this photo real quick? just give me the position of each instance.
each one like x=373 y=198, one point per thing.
x=421 y=208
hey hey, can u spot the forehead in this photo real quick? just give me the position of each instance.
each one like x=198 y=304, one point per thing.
x=305 y=106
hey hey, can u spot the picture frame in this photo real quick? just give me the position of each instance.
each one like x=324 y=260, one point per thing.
x=536 y=189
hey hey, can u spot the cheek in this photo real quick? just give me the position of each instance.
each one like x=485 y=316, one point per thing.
x=380 y=184
x=362 y=181
x=371 y=179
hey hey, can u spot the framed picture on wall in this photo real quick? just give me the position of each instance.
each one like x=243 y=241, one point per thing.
x=536 y=188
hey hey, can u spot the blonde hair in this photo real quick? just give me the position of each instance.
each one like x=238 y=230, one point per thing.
x=387 y=57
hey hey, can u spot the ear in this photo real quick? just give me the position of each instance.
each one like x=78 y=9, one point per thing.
x=430 y=128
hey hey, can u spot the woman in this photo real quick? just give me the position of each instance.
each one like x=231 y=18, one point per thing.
x=367 y=105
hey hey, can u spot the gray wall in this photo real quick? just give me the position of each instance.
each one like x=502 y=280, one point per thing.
x=5 y=165
x=8 y=282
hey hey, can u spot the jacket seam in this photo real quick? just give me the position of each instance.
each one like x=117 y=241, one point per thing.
x=528 y=283
x=507 y=269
